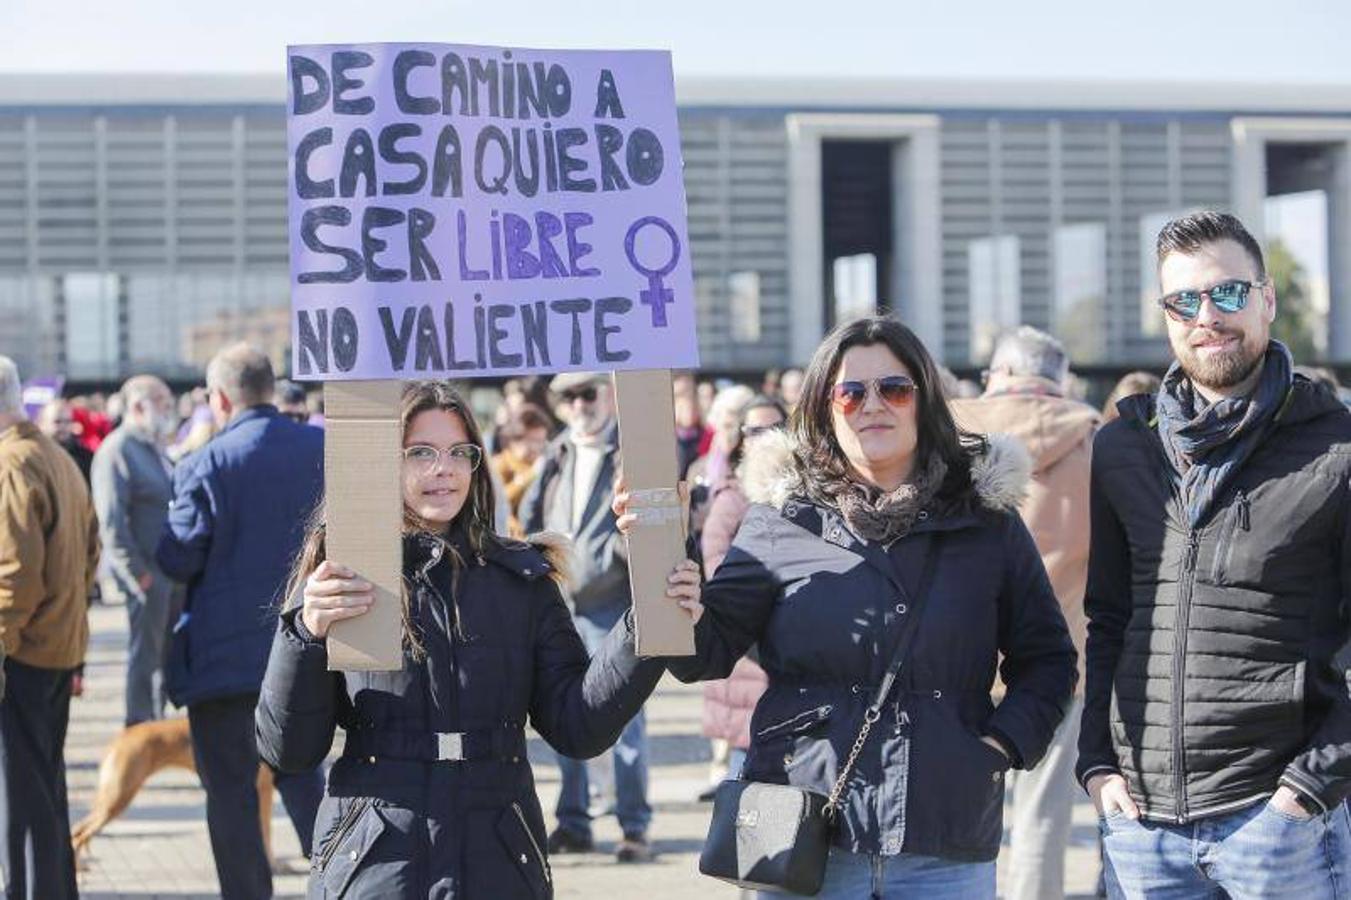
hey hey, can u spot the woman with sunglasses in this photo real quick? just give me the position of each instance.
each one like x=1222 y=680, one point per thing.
x=433 y=794
x=886 y=517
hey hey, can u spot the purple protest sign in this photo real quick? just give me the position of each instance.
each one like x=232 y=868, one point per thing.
x=38 y=392
x=461 y=211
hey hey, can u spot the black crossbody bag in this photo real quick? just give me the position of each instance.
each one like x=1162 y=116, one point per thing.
x=776 y=837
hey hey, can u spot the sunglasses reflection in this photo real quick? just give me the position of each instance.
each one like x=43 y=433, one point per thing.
x=894 y=390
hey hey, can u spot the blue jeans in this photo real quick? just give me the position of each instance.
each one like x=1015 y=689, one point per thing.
x=1256 y=853
x=736 y=761
x=630 y=755
x=860 y=876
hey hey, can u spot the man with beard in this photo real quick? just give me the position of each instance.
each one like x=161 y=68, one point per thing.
x=572 y=496
x=1216 y=734
x=132 y=489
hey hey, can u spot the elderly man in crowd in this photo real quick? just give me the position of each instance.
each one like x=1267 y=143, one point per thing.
x=1025 y=396
x=132 y=488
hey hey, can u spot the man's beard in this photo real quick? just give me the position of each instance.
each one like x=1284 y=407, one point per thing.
x=1221 y=371
x=590 y=424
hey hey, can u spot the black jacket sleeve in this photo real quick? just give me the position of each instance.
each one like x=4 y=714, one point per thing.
x=737 y=601
x=580 y=707
x=298 y=703
x=1107 y=602
x=1323 y=769
x=1039 y=660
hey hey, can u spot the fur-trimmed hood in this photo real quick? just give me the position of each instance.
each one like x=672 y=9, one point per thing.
x=557 y=552
x=999 y=475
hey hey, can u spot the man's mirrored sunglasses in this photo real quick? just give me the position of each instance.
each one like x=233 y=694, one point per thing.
x=1228 y=296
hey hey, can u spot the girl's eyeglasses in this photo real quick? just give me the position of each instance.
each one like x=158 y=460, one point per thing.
x=1228 y=297
x=895 y=390
x=464 y=458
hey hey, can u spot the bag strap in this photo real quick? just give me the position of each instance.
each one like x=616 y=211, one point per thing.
x=874 y=711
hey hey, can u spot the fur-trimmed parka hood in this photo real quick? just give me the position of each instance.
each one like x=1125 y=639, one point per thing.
x=999 y=474
x=557 y=552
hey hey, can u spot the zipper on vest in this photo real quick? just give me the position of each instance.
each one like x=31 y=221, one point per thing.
x=1186 y=581
x=539 y=854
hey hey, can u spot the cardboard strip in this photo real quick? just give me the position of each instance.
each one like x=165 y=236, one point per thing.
x=656 y=542
x=364 y=517
x=655 y=498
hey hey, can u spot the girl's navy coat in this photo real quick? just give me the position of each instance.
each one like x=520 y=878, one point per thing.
x=826 y=609
x=395 y=821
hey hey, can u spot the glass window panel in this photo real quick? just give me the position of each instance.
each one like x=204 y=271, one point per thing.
x=1297 y=260
x=1080 y=286
x=744 y=290
x=91 y=324
x=855 y=280
x=995 y=290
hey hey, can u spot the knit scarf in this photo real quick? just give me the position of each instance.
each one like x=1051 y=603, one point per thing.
x=877 y=516
x=1208 y=444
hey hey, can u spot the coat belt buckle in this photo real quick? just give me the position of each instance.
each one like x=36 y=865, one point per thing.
x=449 y=746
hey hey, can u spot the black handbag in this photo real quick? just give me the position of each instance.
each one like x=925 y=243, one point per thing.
x=776 y=837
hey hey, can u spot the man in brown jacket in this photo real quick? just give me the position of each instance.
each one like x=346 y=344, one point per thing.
x=48 y=552
x=1025 y=397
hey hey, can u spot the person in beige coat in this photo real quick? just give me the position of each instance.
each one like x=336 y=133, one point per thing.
x=48 y=553
x=1025 y=397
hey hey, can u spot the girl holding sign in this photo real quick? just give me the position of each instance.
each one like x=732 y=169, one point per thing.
x=433 y=793
x=890 y=537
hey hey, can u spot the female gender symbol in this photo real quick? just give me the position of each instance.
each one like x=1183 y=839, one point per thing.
x=657 y=294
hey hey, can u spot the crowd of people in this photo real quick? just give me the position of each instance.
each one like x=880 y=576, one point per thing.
x=1009 y=591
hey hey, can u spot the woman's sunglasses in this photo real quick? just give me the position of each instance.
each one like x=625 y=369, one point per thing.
x=1228 y=297
x=895 y=390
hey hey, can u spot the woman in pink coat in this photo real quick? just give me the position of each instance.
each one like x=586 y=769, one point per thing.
x=729 y=702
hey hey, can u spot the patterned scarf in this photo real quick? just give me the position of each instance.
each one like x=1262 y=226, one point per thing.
x=877 y=516
x=1208 y=444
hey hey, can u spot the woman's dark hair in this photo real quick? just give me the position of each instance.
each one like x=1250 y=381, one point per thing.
x=811 y=425
x=759 y=401
x=525 y=420
x=476 y=516
x=535 y=389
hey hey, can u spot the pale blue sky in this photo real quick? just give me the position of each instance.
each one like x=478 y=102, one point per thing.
x=1188 y=40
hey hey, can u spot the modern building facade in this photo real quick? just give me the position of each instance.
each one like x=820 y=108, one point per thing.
x=143 y=218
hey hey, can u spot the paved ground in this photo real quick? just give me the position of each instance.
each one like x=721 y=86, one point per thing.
x=159 y=847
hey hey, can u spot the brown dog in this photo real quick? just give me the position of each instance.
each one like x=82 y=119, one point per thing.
x=137 y=753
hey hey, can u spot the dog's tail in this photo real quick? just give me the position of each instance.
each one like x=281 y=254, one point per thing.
x=120 y=778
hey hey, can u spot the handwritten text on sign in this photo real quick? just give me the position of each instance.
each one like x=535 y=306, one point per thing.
x=470 y=211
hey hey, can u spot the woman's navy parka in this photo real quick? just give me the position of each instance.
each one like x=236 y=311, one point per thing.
x=826 y=609
x=398 y=820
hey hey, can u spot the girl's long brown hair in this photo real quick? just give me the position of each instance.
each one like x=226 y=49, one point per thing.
x=476 y=516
